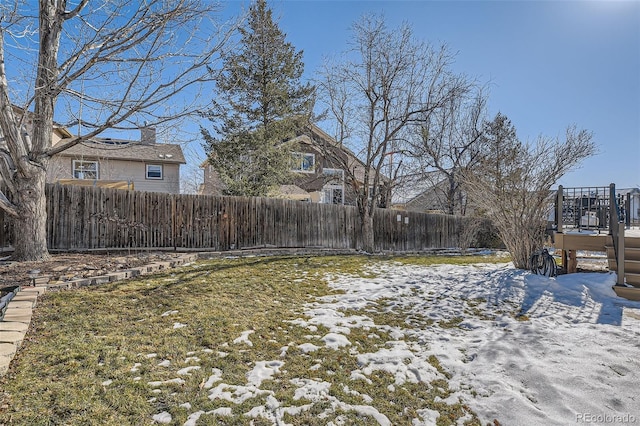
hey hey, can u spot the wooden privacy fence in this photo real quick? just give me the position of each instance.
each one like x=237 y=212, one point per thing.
x=82 y=218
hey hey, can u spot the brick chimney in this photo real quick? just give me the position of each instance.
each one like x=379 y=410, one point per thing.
x=148 y=135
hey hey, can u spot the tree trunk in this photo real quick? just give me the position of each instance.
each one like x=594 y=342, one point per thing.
x=30 y=227
x=366 y=228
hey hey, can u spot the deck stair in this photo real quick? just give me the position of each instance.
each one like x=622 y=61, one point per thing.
x=631 y=267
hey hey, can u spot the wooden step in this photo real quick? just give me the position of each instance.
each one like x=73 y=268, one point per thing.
x=630 y=266
x=632 y=278
x=630 y=253
x=632 y=242
x=630 y=293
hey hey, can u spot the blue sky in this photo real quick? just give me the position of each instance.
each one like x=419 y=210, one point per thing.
x=548 y=64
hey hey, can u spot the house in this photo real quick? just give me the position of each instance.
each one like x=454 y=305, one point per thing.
x=142 y=165
x=318 y=164
x=428 y=193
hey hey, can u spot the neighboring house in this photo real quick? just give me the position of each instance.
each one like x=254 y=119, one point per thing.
x=319 y=175
x=144 y=165
x=427 y=193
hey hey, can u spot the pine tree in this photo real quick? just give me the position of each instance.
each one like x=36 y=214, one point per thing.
x=261 y=104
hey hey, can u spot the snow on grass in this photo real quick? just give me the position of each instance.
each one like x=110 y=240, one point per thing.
x=244 y=338
x=216 y=376
x=335 y=340
x=159 y=383
x=187 y=370
x=515 y=347
x=305 y=347
x=263 y=370
x=162 y=418
x=235 y=393
x=569 y=350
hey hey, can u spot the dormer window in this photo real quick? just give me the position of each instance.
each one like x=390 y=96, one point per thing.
x=303 y=162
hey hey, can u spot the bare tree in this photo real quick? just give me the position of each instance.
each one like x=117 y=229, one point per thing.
x=191 y=179
x=447 y=145
x=512 y=185
x=386 y=82
x=109 y=64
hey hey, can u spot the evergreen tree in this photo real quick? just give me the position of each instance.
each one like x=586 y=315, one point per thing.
x=261 y=104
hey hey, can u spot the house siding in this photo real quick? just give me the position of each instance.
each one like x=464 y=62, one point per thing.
x=313 y=183
x=61 y=167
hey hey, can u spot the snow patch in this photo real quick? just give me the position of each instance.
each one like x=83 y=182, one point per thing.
x=244 y=338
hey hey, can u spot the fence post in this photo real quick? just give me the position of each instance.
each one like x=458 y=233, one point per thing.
x=620 y=250
x=613 y=211
x=174 y=235
x=627 y=210
x=559 y=200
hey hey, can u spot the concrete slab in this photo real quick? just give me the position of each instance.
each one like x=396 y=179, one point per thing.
x=164 y=265
x=7 y=350
x=101 y=279
x=80 y=283
x=19 y=304
x=31 y=290
x=140 y=270
x=59 y=285
x=118 y=276
x=42 y=281
x=14 y=337
x=16 y=309
x=22 y=297
x=18 y=315
x=13 y=326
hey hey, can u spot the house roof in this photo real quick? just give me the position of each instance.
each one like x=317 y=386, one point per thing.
x=410 y=187
x=124 y=150
x=291 y=192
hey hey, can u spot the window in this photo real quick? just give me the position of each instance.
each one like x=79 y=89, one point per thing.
x=85 y=169
x=333 y=176
x=303 y=162
x=154 y=171
x=333 y=189
x=332 y=195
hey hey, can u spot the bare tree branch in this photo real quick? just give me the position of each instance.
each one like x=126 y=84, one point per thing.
x=386 y=83
x=110 y=64
x=512 y=184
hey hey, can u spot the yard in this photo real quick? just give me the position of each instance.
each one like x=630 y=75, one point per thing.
x=331 y=340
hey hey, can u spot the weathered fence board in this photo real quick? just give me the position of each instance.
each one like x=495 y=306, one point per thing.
x=82 y=218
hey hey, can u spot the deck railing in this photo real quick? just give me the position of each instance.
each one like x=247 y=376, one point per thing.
x=589 y=208
x=600 y=209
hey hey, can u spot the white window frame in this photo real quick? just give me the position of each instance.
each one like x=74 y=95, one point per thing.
x=335 y=181
x=147 y=168
x=79 y=169
x=328 y=195
x=298 y=162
